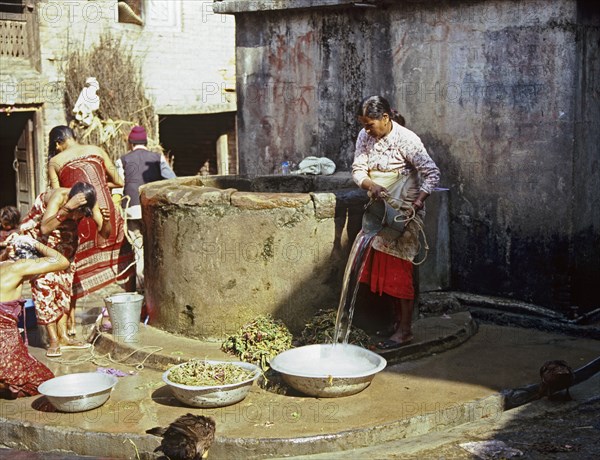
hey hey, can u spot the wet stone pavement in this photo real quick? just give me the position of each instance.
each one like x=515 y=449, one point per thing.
x=560 y=431
x=422 y=406
x=570 y=432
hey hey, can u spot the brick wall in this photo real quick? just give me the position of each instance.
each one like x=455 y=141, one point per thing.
x=187 y=52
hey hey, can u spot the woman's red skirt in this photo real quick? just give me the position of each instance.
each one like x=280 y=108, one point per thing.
x=388 y=274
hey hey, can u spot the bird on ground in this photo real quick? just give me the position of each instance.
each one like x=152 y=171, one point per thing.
x=556 y=376
x=187 y=438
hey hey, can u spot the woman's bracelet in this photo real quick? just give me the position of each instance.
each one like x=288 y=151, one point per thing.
x=64 y=216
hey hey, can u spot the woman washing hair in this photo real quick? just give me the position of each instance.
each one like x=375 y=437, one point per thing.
x=54 y=220
x=101 y=259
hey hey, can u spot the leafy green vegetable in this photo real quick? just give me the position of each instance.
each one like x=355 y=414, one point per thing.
x=321 y=329
x=200 y=373
x=259 y=341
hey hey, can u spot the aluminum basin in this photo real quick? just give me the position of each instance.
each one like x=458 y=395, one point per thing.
x=78 y=392
x=213 y=395
x=328 y=371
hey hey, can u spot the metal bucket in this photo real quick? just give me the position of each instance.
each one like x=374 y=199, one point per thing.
x=125 y=311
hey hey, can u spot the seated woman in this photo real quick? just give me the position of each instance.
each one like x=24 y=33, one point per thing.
x=21 y=373
x=54 y=220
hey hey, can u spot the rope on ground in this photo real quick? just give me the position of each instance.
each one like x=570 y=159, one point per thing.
x=106 y=359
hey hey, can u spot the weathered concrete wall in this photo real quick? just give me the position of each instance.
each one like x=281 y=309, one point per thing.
x=585 y=255
x=501 y=92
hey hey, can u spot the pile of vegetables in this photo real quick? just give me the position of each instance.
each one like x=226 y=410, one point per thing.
x=201 y=373
x=259 y=341
x=321 y=329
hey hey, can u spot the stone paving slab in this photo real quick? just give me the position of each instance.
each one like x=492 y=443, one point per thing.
x=445 y=444
x=408 y=399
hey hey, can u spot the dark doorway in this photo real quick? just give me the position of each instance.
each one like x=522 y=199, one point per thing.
x=17 y=176
x=195 y=140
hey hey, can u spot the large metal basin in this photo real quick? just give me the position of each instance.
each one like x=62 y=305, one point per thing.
x=78 y=392
x=213 y=395
x=327 y=370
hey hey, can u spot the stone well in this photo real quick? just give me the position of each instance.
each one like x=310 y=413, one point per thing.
x=221 y=250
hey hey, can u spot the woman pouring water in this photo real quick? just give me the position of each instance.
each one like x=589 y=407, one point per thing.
x=391 y=163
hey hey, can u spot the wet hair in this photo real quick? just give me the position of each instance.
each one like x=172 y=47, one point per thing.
x=375 y=107
x=24 y=247
x=89 y=192
x=10 y=216
x=26 y=251
x=58 y=134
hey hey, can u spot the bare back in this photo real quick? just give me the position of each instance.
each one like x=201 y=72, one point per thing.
x=14 y=272
x=12 y=281
x=75 y=151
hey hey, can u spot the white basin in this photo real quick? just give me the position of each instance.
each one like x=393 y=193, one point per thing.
x=327 y=370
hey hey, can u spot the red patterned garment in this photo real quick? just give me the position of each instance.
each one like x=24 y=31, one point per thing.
x=52 y=291
x=99 y=261
x=21 y=371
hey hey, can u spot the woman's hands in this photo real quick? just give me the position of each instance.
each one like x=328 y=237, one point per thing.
x=104 y=226
x=378 y=192
x=419 y=202
x=374 y=190
x=48 y=259
x=105 y=214
x=8 y=246
x=76 y=201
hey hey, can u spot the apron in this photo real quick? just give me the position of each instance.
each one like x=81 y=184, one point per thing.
x=393 y=219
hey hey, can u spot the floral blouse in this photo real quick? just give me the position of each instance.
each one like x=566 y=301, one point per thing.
x=401 y=150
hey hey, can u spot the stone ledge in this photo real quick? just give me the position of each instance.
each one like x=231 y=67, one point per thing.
x=255 y=6
x=259 y=201
x=325 y=204
x=432 y=404
x=442 y=333
x=263 y=192
x=432 y=335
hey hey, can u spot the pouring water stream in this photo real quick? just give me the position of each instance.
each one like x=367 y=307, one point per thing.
x=350 y=284
x=354 y=268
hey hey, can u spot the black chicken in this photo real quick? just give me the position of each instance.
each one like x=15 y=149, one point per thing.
x=187 y=438
x=556 y=376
